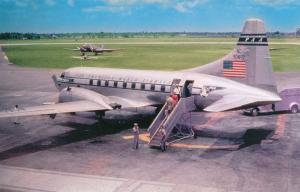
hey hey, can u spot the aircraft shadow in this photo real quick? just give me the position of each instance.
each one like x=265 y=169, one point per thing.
x=271 y=113
x=248 y=138
x=79 y=133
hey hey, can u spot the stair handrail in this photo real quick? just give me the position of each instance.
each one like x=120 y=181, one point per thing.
x=158 y=129
x=169 y=119
x=162 y=124
x=174 y=115
x=183 y=102
x=158 y=116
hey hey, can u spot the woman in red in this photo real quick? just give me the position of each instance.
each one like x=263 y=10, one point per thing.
x=175 y=99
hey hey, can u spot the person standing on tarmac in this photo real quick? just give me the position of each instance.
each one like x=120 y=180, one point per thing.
x=136 y=133
x=16 y=122
x=163 y=139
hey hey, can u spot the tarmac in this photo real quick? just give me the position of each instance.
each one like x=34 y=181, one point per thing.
x=232 y=152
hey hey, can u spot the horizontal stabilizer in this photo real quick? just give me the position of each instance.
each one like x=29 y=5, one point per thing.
x=230 y=102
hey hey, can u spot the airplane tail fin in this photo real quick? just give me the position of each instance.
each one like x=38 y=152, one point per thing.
x=249 y=62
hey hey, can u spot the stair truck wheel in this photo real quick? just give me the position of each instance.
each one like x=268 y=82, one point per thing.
x=195 y=136
x=294 y=109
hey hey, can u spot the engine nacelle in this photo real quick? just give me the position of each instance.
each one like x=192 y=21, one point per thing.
x=76 y=94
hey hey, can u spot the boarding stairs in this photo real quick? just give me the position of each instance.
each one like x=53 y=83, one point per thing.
x=180 y=113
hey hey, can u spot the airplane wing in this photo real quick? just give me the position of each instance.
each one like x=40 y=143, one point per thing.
x=68 y=107
x=229 y=102
x=105 y=50
x=76 y=49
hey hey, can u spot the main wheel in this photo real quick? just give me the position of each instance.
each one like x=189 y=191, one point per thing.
x=254 y=112
x=294 y=109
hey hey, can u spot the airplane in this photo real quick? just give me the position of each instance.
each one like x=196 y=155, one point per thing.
x=93 y=48
x=242 y=79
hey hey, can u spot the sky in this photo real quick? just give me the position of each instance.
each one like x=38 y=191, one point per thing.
x=56 y=16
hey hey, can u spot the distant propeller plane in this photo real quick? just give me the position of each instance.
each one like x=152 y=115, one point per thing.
x=93 y=49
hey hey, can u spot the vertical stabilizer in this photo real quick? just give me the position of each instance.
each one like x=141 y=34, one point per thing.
x=249 y=62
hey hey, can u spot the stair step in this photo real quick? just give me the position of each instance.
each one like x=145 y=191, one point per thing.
x=155 y=144
x=155 y=140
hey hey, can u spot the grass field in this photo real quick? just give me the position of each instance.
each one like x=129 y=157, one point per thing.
x=144 y=56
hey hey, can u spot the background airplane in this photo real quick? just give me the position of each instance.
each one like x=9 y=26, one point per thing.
x=240 y=80
x=93 y=48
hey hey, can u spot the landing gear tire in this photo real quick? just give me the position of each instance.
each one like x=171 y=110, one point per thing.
x=273 y=108
x=163 y=146
x=254 y=112
x=52 y=116
x=195 y=136
x=294 y=109
x=99 y=115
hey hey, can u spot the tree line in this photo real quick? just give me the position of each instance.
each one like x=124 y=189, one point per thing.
x=36 y=36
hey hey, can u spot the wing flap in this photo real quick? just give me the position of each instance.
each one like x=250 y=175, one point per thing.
x=128 y=103
x=68 y=107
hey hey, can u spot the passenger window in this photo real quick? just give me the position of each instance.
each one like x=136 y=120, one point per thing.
x=143 y=86
x=124 y=85
x=148 y=87
x=163 y=88
x=157 y=88
x=91 y=81
x=71 y=80
x=111 y=83
x=129 y=85
x=137 y=86
x=168 y=88
x=98 y=83
x=120 y=84
x=115 y=83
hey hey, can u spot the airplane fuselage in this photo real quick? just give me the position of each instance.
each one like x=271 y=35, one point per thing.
x=153 y=86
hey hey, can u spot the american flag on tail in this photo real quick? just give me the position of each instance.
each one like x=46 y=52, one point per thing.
x=234 y=68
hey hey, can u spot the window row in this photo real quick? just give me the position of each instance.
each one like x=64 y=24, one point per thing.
x=124 y=85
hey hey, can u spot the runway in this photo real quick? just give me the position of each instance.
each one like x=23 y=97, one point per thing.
x=78 y=153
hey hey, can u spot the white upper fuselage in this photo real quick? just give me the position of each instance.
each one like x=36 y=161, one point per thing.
x=145 y=86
